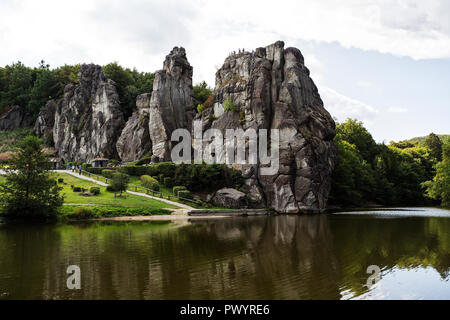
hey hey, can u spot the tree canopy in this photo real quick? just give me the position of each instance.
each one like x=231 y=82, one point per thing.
x=368 y=172
x=30 y=190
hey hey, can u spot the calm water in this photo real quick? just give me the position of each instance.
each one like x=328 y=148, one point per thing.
x=284 y=257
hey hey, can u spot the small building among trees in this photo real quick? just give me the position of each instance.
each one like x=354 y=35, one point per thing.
x=56 y=163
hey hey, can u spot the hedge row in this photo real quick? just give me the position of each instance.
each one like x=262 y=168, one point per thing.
x=82 y=213
x=193 y=176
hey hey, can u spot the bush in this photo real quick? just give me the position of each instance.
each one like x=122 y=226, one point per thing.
x=111 y=188
x=96 y=170
x=144 y=160
x=200 y=108
x=136 y=171
x=108 y=173
x=119 y=182
x=95 y=191
x=229 y=105
x=81 y=214
x=60 y=180
x=167 y=169
x=184 y=194
x=149 y=183
x=161 y=178
x=76 y=189
x=178 y=188
x=168 y=182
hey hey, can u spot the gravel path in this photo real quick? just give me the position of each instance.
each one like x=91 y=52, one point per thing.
x=180 y=205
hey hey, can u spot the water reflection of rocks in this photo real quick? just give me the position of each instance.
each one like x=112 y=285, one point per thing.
x=285 y=257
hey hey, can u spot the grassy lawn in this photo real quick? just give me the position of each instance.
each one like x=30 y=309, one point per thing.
x=105 y=198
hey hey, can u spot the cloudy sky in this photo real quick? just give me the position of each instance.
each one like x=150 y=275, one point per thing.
x=385 y=62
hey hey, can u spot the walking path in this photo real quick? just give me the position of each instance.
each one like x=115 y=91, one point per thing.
x=180 y=205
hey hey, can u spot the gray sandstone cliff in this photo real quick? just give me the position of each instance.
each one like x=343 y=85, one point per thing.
x=134 y=142
x=43 y=127
x=15 y=118
x=88 y=120
x=171 y=105
x=272 y=89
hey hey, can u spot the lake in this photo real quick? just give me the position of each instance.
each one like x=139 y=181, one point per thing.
x=266 y=257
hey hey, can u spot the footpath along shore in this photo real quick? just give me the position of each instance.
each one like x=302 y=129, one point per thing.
x=183 y=213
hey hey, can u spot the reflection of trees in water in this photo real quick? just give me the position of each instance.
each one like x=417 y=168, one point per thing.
x=402 y=242
x=296 y=257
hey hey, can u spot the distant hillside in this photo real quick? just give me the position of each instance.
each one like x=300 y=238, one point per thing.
x=421 y=140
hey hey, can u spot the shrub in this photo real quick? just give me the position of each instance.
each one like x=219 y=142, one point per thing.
x=145 y=159
x=184 y=194
x=167 y=169
x=161 y=178
x=108 y=173
x=178 y=188
x=60 y=180
x=168 y=182
x=133 y=170
x=114 y=162
x=200 y=108
x=119 y=182
x=229 y=105
x=95 y=191
x=76 y=189
x=95 y=170
x=150 y=182
x=81 y=214
x=111 y=188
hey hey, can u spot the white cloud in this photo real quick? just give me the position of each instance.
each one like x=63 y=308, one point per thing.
x=397 y=110
x=343 y=107
x=140 y=33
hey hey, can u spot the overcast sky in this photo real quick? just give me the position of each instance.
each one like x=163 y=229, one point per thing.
x=385 y=62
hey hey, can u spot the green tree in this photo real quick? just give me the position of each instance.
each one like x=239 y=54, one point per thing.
x=201 y=92
x=129 y=84
x=19 y=81
x=439 y=187
x=30 y=190
x=433 y=143
x=45 y=87
x=354 y=132
x=119 y=182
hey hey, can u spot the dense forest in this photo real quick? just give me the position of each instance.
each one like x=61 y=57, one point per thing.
x=413 y=172
x=31 y=88
x=401 y=173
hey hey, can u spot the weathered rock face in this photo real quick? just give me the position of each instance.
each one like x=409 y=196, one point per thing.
x=171 y=104
x=43 y=127
x=15 y=118
x=271 y=89
x=230 y=198
x=134 y=142
x=88 y=120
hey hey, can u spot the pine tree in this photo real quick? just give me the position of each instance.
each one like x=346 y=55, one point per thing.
x=30 y=190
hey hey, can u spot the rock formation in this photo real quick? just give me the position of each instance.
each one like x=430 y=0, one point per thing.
x=271 y=89
x=15 y=118
x=43 y=127
x=171 y=105
x=134 y=142
x=229 y=198
x=88 y=120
